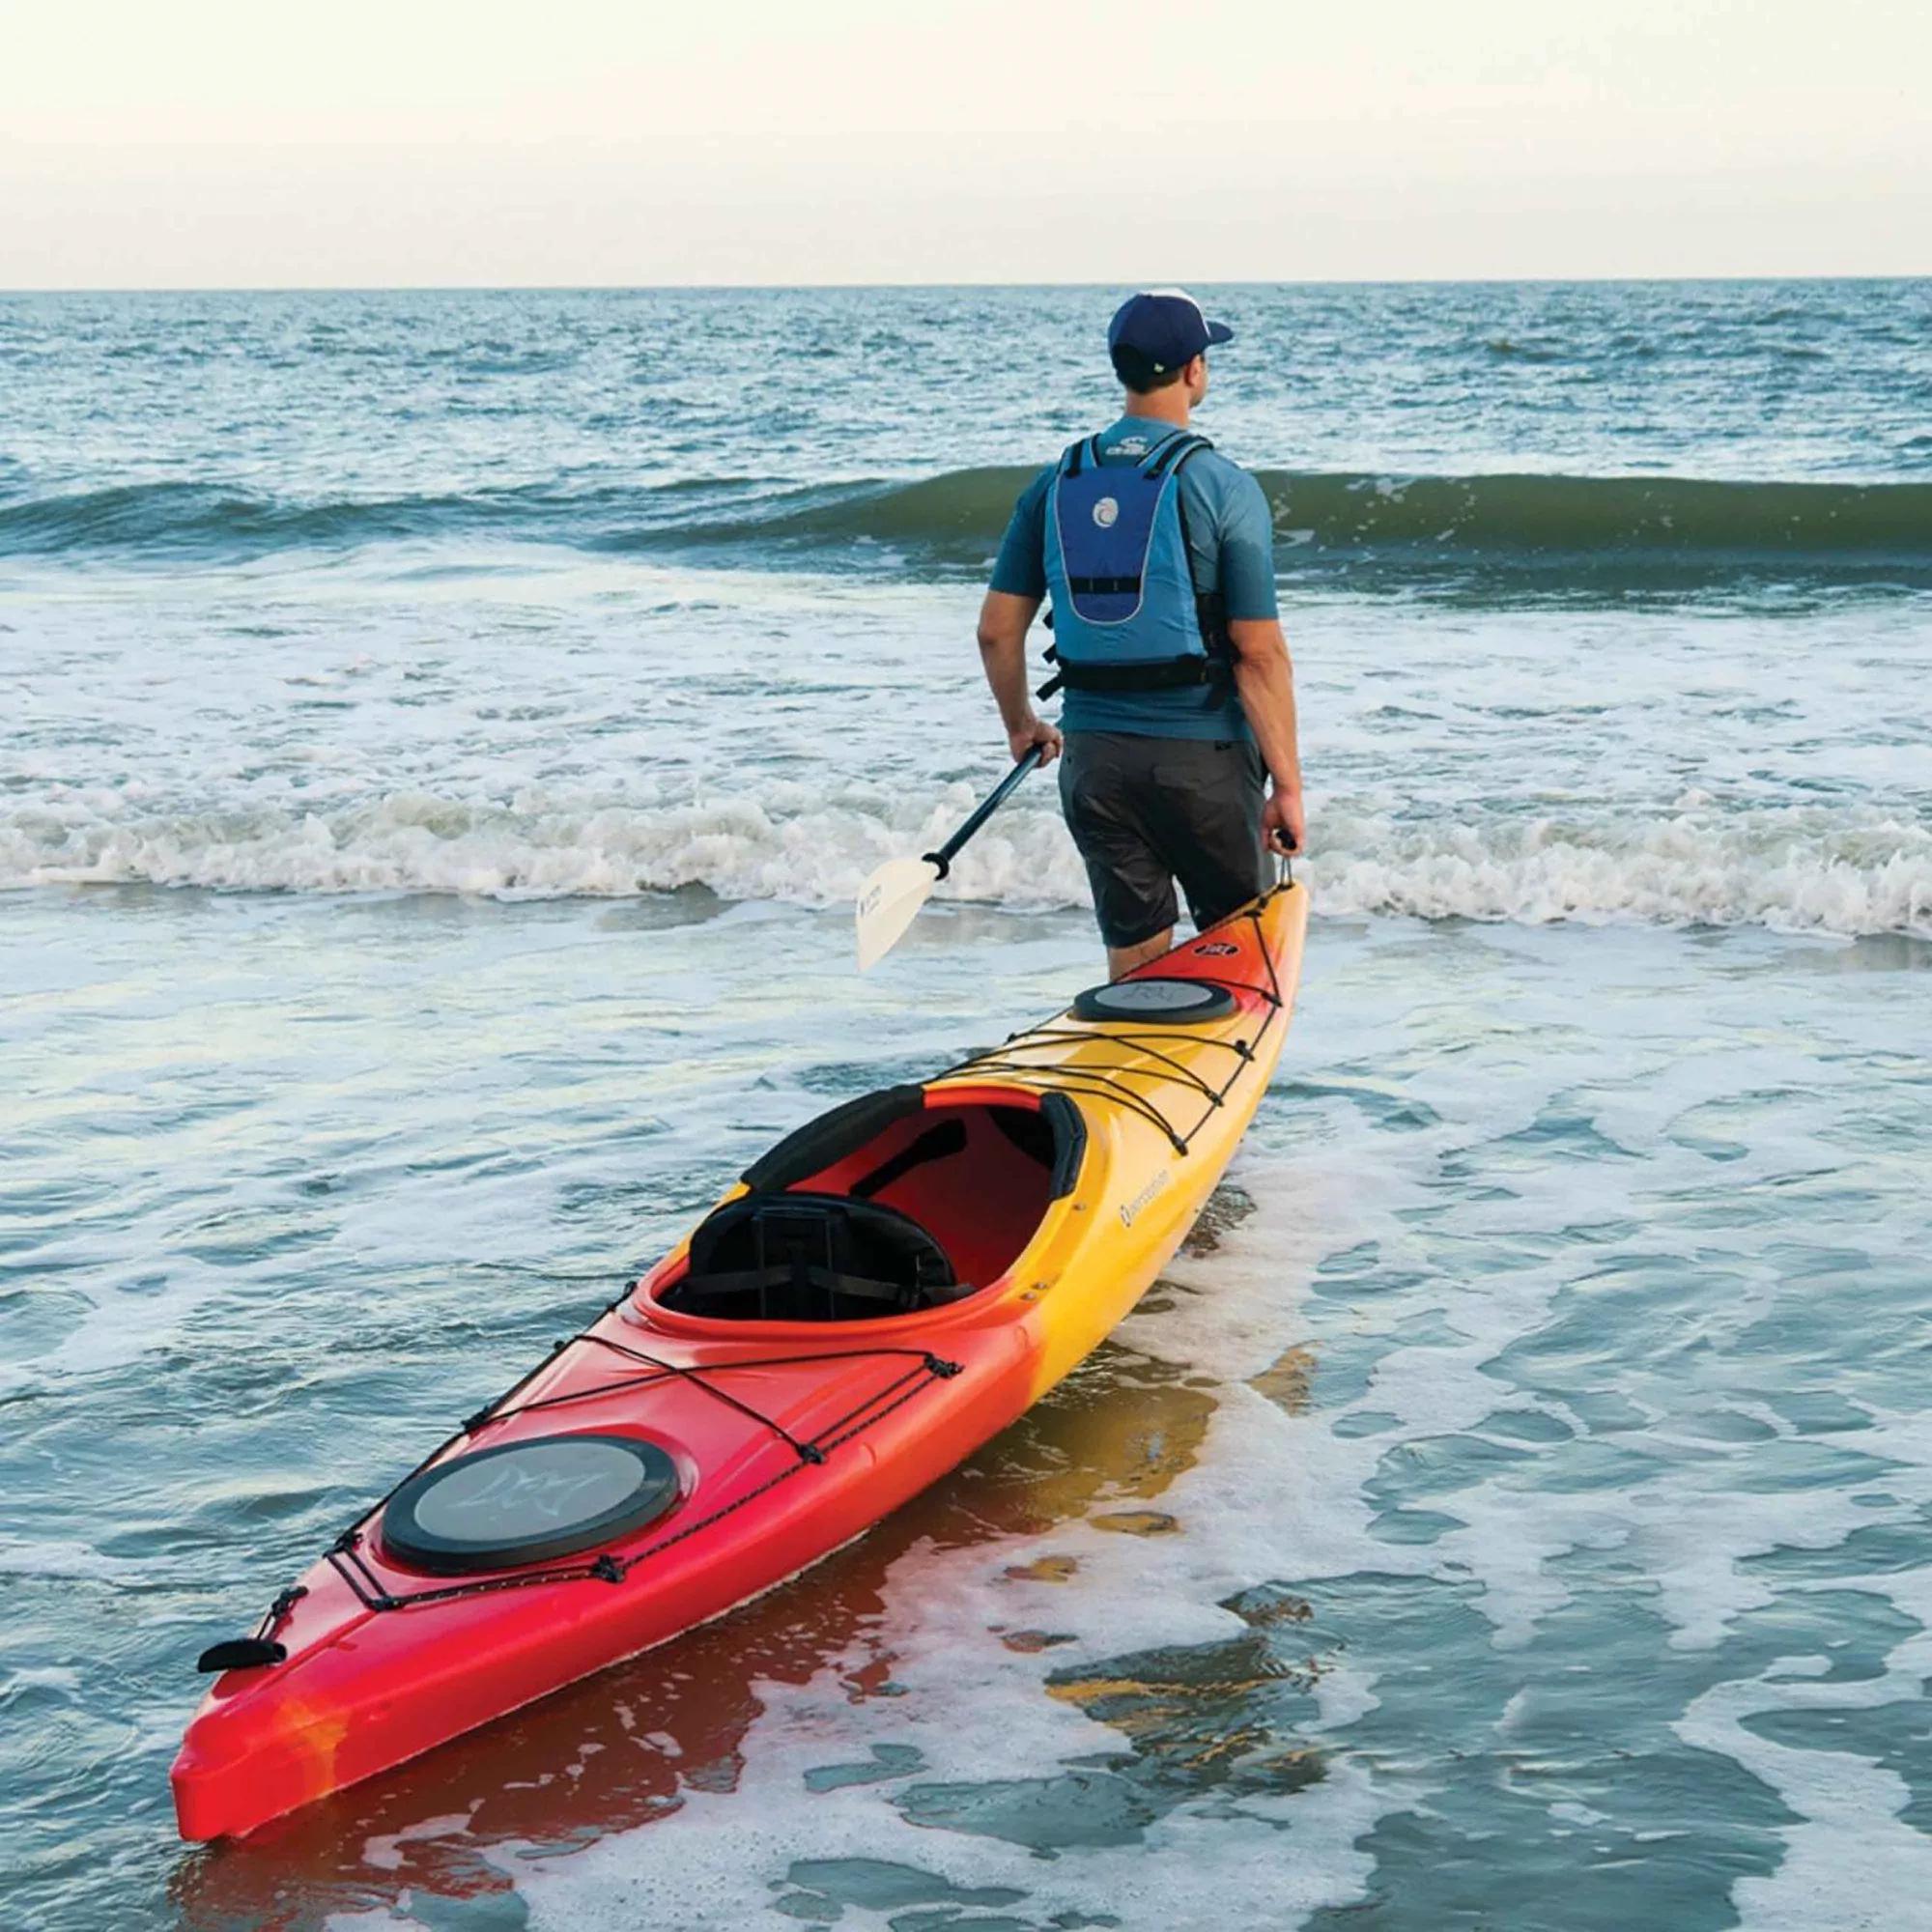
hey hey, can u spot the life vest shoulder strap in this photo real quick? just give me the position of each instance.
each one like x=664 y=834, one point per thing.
x=1211 y=607
x=1169 y=454
x=1082 y=455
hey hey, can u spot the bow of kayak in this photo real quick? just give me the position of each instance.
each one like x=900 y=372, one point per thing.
x=883 y=1292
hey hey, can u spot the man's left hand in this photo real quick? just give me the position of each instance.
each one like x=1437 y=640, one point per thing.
x=1035 y=731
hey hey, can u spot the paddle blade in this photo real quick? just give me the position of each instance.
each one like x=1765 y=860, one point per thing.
x=889 y=902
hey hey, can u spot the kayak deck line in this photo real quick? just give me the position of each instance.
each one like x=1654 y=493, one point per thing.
x=874 y=1298
x=1106 y=1083
x=344 y=1554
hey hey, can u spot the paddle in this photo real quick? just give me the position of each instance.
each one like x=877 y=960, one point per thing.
x=889 y=902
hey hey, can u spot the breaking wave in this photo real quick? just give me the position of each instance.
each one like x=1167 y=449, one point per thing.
x=1839 y=869
x=1580 y=527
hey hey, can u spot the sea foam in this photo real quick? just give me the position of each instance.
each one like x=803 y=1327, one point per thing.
x=1847 y=869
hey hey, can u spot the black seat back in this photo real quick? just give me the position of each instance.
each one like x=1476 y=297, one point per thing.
x=786 y=1257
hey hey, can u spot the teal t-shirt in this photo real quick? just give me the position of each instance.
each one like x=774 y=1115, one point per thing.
x=1231 y=536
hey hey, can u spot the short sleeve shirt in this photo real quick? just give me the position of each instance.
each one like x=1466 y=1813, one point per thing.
x=1231 y=541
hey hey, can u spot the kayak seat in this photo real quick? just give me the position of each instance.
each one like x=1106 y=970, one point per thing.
x=800 y=1257
x=892 y=1203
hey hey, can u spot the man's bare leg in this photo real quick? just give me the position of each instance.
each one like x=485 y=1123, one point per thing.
x=1123 y=959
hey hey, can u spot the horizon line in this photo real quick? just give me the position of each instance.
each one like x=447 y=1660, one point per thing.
x=858 y=287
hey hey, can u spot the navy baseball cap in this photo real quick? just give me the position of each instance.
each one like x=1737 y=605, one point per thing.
x=1159 y=329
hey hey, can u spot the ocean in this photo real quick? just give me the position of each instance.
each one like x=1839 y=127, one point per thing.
x=441 y=735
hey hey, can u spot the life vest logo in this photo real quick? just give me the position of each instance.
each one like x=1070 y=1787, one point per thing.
x=1106 y=512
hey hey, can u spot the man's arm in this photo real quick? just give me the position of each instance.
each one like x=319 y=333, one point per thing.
x=1005 y=620
x=1264 y=678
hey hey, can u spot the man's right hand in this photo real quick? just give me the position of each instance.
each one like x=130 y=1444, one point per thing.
x=1035 y=732
x=1283 y=824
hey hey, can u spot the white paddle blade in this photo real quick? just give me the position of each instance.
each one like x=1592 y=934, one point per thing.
x=889 y=902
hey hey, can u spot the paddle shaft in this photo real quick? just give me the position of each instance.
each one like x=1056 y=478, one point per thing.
x=1003 y=792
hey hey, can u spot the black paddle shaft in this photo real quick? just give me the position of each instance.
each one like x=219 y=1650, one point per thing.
x=1003 y=792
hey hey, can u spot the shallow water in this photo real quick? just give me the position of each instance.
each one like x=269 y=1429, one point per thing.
x=1520 y=1514
x=1514 y=1510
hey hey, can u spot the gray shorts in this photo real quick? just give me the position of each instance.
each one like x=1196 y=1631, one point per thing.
x=1147 y=812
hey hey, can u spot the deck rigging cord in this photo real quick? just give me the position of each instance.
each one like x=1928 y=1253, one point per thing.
x=345 y=1554
x=1110 y=1083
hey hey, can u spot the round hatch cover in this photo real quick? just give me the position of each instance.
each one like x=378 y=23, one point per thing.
x=1156 y=1002
x=527 y=1502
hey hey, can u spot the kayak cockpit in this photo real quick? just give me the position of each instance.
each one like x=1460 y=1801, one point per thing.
x=900 y=1202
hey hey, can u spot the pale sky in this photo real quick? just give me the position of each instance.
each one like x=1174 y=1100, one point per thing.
x=206 y=143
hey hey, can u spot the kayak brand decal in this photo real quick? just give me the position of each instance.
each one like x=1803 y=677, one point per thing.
x=1130 y=1209
x=1217 y=949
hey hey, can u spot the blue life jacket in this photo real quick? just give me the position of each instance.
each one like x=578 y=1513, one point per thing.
x=1128 y=614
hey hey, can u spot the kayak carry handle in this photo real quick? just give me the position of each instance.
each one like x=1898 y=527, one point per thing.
x=240 y=1653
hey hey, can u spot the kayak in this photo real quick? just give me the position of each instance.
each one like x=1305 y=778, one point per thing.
x=887 y=1288
x=879 y=1294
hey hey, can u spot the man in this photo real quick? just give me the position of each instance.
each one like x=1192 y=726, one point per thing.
x=1158 y=555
